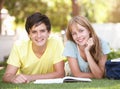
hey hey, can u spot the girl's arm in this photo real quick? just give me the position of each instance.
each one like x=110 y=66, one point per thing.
x=97 y=70
x=75 y=69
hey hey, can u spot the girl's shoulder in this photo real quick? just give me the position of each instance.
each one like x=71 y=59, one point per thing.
x=70 y=45
x=68 y=42
x=102 y=41
x=105 y=46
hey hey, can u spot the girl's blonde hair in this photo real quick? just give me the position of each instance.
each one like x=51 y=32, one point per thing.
x=96 y=50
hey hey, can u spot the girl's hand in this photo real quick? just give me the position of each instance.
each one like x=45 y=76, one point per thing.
x=89 y=44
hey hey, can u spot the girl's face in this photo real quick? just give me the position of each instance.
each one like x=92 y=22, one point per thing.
x=39 y=35
x=80 y=34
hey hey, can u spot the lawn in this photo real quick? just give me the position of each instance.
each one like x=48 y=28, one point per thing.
x=95 y=84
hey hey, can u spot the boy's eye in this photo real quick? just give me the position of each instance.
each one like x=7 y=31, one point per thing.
x=43 y=30
x=33 y=31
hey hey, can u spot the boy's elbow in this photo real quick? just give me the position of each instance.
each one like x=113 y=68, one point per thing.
x=61 y=75
x=4 y=79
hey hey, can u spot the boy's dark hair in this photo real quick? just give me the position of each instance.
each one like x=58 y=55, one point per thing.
x=36 y=19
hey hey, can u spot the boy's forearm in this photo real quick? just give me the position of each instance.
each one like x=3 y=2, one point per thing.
x=8 y=78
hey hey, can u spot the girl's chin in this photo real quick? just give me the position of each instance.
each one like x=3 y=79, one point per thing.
x=82 y=45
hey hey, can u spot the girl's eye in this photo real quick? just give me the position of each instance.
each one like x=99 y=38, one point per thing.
x=81 y=30
x=73 y=33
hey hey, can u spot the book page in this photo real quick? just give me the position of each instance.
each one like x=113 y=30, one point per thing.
x=48 y=81
x=62 y=80
x=75 y=79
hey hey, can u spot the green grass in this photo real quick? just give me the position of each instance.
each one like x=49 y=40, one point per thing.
x=95 y=84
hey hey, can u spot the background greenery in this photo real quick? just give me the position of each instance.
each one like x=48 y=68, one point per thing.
x=60 y=11
x=114 y=54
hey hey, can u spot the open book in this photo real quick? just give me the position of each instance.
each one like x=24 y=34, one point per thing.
x=62 y=80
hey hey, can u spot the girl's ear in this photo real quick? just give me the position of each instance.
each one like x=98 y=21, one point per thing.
x=90 y=35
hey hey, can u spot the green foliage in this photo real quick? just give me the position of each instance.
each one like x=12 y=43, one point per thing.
x=3 y=64
x=94 y=10
x=22 y=8
x=56 y=10
x=100 y=11
x=114 y=54
x=114 y=11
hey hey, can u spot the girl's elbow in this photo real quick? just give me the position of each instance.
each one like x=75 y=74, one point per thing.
x=99 y=76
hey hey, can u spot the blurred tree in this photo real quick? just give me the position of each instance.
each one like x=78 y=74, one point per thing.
x=94 y=10
x=100 y=11
x=22 y=8
x=60 y=11
x=57 y=10
x=75 y=8
x=114 y=11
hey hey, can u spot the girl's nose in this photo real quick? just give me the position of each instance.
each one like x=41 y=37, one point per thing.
x=78 y=35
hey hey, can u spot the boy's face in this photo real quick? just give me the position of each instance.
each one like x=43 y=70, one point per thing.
x=39 y=34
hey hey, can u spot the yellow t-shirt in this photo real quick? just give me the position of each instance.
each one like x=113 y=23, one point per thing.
x=23 y=57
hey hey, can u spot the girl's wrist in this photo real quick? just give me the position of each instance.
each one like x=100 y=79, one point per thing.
x=87 y=52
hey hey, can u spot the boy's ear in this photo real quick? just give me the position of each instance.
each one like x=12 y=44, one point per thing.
x=49 y=33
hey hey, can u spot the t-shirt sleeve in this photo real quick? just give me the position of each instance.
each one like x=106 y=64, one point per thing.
x=70 y=49
x=14 y=57
x=105 y=47
x=57 y=52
